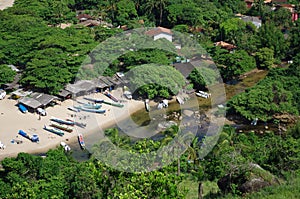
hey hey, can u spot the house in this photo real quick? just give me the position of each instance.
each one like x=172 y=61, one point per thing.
x=37 y=100
x=84 y=17
x=254 y=20
x=44 y=99
x=160 y=32
x=184 y=68
x=250 y=3
x=90 y=23
x=13 y=85
x=225 y=45
x=291 y=8
x=64 y=94
x=81 y=87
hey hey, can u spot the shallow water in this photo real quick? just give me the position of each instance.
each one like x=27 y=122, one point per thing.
x=142 y=119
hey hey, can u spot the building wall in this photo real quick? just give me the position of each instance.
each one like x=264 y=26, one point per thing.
x=163 y=35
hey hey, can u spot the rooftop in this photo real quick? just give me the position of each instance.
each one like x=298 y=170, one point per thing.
x=159 y=30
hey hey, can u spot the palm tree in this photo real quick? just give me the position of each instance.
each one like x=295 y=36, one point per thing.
x=153 y=5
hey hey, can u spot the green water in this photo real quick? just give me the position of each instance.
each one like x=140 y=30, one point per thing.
x=142 y=117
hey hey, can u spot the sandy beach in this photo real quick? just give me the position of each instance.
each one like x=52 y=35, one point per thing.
x=12 y=120
x=6 y=3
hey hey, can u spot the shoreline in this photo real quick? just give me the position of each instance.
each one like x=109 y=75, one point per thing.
x=14 y=121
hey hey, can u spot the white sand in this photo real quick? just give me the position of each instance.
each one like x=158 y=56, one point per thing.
x=6 y=3
x=12 y=120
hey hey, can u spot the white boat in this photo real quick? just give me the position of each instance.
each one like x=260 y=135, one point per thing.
x=147 y=106
x=65 y=146
x=179 y=100
x=165 y=103
x=203 y=94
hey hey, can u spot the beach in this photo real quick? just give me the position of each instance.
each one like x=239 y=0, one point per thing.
x=13 y=120
x=6 y=3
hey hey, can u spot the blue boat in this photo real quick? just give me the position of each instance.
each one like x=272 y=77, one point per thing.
x=92 y=110
x=60 y=121
x=22 y=108
x=33 y=138
x=54 y=130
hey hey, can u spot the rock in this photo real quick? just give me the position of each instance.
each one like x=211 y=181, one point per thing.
x=188 y=113
x=248 y=179
x=180 y=118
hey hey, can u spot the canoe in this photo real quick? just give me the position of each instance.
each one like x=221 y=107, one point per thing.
x=80 y=124
x=22 y=108
x=33 y=138
x=73 y=109
x=111 y=97
x=54 y=130
x=60 y=121
x=93 y=110
x=113 y=104
x=61 y=127
x=94 y=100
x=81 y=141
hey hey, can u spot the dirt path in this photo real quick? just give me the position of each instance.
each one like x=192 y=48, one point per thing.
x=6 y=3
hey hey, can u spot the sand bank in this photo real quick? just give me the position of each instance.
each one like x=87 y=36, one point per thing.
x=12 y=120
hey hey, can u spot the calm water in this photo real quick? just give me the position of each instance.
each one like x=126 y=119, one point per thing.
x=142 y=118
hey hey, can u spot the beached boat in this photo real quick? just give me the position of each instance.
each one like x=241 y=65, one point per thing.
x=54 y=130
x=203 y=94
x=89 y=106
x=22 y=108
x=110 y=96
x=60 y=121
x=114 y=104
x=179 y=100
x=80 y=124
x=81 y=141
x=92 y=110
x=73 y=109
x=61 y=127
x=33 y=138
x=94 y=100
x=65 y=146
x=147 y=106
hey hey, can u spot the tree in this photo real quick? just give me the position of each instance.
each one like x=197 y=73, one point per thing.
x=153 y=6
x=152 y=80
x=264 y=58
x=271 y=37
x=6 y=74
x=235 y=64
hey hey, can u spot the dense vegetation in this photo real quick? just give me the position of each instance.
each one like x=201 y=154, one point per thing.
x=49 y=57
x=59 y=176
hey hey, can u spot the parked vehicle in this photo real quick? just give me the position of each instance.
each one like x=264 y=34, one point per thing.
x=2 y=94
x=41 y=111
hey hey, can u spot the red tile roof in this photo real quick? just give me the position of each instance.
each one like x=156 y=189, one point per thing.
x=159 y=30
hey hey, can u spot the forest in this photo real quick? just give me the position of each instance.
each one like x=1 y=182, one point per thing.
x=49 y=57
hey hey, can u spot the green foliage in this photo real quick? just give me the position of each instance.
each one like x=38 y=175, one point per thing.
x=265 y=58
x=271 y=37
x=156 y=80
x=202 y=77
x=235 y=64
x=6 y=74
x=278 y=93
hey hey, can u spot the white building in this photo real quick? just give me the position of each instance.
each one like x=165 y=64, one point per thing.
x=160 y=32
